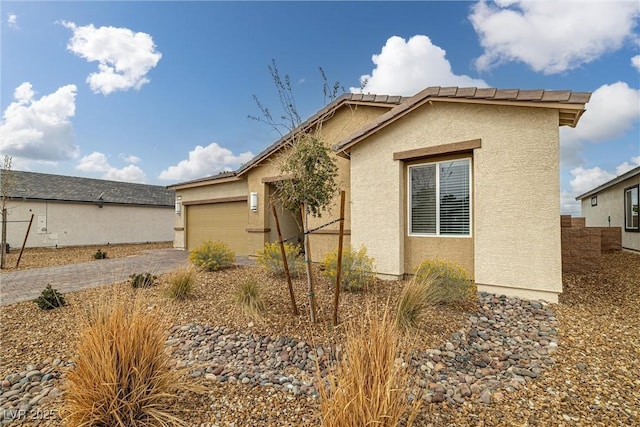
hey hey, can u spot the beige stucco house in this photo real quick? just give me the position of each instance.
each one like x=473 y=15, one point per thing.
x=466 y=174
x=615 y=204
x=75 y=211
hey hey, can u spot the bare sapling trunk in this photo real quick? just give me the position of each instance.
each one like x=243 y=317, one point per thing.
x=285 y=263
x=307 y=263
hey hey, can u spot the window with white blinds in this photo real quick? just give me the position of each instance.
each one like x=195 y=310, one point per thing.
x=440 y=202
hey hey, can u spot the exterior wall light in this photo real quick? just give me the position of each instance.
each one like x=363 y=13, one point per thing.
x=178 y=205
x=253 y=202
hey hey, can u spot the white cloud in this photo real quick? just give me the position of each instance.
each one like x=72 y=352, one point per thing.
x=205 y=161
x=587 y=179
x=406 y=67
x=611 y=112
x=131 y=159
x=626 y=166
x=635 y=62
x=40 y=129
x=551 y=36
x=568 y=204
x=124 y=57
x=12 y=20
x=98 y=162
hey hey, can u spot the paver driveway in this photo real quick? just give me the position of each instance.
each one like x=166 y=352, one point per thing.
x=24 y=285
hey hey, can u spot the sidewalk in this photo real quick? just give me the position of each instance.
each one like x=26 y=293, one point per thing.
x=24 y=285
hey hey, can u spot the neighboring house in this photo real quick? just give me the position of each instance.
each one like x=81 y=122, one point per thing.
x=466 y=174
x=73 y=211
x=615 y=204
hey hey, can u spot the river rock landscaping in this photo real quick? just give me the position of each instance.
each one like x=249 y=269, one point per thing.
x=505 y=361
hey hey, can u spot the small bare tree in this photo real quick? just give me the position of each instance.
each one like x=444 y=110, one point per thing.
x=312 y=171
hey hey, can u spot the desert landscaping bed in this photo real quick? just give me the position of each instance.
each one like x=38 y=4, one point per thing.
x=50 y=257
x=591 y=379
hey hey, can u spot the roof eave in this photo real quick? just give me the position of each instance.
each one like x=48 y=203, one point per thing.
x=629 y=174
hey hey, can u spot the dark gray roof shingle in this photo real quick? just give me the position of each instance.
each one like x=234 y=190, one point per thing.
x=42 y=186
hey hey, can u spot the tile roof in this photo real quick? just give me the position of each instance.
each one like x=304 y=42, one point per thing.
x=570 y=105
x=629 y=174
x=42 y=186
x=323 y=114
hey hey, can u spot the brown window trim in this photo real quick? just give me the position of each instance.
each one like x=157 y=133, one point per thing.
x=212 y=201
x=438 y=150
x=257 y=230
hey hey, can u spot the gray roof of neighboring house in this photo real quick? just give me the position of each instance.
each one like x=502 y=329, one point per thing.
x=629 y=174
x=42 y=186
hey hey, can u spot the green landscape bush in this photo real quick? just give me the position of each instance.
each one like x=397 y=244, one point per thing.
x=357 y=268
x=142 y=280
x=446 y=282
x=212 y=256
x=270 y=258
x=100 y=254
x=49 y=299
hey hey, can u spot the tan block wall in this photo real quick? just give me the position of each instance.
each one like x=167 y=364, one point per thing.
x=577 y=221
x=565 y=221
x=610 y=239
x=516 y=200
x=581 y=249
x=215 y=191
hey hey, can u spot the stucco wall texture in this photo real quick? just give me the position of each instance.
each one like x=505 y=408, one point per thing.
x=516 y=201
x=76 y=224
x=611 y=204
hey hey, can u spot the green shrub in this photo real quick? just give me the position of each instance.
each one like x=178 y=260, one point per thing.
x=249 y=298
x=142 y=280
x=212 y=256
x=414 y=301
x=49 y=299
x=100 y=255
x=121 y=375
x=357 y=268
x=271 y=259
x=446 y=282
x=181 y=284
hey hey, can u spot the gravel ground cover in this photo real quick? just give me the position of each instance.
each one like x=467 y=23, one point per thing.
x=591 y=379
x=49 y=257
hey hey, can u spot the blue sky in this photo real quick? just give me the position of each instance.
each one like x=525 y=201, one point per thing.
x=159 y=92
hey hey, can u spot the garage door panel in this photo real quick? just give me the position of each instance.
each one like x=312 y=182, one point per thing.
x=218 y=221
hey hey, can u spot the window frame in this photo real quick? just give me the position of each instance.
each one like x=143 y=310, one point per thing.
x=594 y=200
x=437 y=164
x=624 y=206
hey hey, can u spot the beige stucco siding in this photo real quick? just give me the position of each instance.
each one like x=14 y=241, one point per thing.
x=203 y=193
x=516 y=231
x=76 y=224
x=611 y=204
